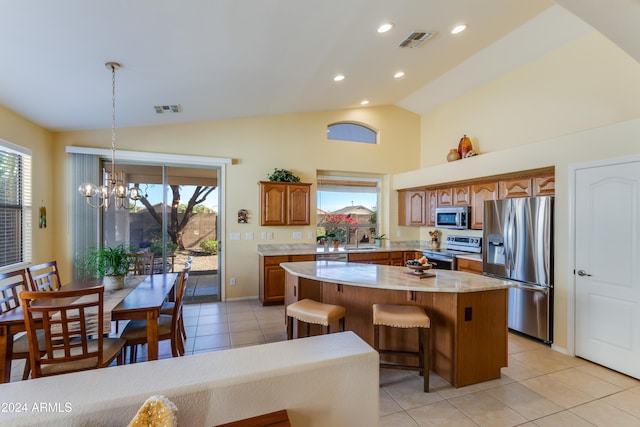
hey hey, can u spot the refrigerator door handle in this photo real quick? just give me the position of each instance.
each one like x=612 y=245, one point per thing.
x=507 y=241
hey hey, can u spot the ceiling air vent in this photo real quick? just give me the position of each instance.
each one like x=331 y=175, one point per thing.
x=175 y=108
x=415 y=39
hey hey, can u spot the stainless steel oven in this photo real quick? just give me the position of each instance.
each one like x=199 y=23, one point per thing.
x=445 y=258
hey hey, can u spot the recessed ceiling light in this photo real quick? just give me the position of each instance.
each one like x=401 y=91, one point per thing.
x=385 y=27
x=398 y=74
x=364 y=102
x=338 y=78
x=458 y=29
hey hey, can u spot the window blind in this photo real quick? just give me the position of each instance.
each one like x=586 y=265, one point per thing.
x=15 y=205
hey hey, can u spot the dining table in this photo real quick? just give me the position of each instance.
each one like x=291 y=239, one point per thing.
x=143 y=301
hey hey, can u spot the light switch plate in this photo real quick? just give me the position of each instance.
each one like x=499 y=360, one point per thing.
x=248 y=236
x=234 y=236
x=263 y=235
x=297 y=235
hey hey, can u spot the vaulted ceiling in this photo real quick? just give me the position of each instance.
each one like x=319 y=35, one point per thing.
x=239 y=58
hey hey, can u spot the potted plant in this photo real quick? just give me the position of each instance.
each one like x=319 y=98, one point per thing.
x=282 y=175
x=110 y=264
x=325 y=239
x=378 y=239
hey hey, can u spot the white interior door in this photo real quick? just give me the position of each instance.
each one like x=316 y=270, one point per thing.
x=607 y=266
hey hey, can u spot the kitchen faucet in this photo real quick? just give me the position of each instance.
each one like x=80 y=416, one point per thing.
x=355 y=235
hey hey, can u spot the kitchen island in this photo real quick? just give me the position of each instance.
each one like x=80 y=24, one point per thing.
x=468 y=312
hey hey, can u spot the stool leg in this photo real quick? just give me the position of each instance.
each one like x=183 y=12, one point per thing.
x=376 y=337
x=328 y=329
x=306 y=329
x=289 y=327
x=425 y=356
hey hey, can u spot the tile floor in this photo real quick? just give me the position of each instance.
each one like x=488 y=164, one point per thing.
x=541 y=387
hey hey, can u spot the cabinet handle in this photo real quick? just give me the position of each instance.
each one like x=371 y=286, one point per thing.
x=338 y=287
x=411 y=295
x=295 y=291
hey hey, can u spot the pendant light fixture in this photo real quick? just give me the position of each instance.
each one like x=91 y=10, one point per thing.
x=114 y=191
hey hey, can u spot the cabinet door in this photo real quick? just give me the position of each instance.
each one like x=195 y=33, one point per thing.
x=445 y=196
x=461 y=195
x=412 y=207
x=273 y=206
x=432 y=203
x=396 y=258
x=510 y=188
x=299 y=204
x=370 y=258
x=469 y=266
x=480 y=193
x=417 y=202
x=273 y=284
x=544 y=185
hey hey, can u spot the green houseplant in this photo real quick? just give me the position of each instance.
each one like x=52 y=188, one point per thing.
x=378 y=239
x=111 y=264
x=282 y=175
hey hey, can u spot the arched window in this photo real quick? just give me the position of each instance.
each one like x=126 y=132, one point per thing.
x=353 y=132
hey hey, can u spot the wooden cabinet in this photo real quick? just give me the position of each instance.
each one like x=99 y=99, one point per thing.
x=412 y=208
x=384 y=258
x=461 y=195
x=445 y=196
x=271 y=276
x=285 y=203
x=517 y=187
x=544 y=185
x=468 y=265
x=480 y=193
x=432 y=204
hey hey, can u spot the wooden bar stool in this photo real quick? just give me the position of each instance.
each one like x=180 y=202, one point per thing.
x=404 y=316
x=313 y=312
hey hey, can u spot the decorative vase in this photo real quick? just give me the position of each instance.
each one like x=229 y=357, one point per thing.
x=112 y=283
x=453 y=155
x=435 y=244
x=464 y=147
x=336 y=244
x=377 y=242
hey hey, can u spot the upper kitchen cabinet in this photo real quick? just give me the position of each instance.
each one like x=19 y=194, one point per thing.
x=461 y=195
x=515 y=187
x=413 y=207
x=479 y=193
x=544 y=185
x=445 y=196
x=284 y=203
x=432 y=204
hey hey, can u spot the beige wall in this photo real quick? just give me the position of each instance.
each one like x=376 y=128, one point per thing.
x=258 y=145
x=19 y=131
x=576 y=104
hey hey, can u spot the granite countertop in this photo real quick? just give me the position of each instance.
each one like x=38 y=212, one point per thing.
x=310 y=249
x=471 y=257
x=393 y=278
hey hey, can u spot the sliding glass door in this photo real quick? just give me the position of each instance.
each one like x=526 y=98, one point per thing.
x=176 y=218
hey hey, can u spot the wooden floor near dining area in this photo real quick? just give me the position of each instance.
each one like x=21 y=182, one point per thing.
x=541 y=387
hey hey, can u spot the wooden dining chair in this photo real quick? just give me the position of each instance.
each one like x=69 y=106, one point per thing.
x=11 y=284
x=44 y=277
x=135 y=333
x=72 y=325
x=142 y=263
x=168 y=306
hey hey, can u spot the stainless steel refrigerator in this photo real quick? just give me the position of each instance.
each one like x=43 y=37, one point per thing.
x=518 y=245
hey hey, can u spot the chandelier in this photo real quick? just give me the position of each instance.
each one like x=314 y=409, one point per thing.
x=113 y=191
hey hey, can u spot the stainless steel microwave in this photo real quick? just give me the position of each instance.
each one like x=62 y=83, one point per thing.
x=454 y=217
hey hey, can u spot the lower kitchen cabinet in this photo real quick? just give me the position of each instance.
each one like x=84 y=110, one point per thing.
x=271 y=276
x=468 y=265
x=384 y=258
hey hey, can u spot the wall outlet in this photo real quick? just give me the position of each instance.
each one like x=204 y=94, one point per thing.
x=248 y=236
x=399 y=233
x=297 y=235
x=310 y=235
x=263 y=235
x=232 y=281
